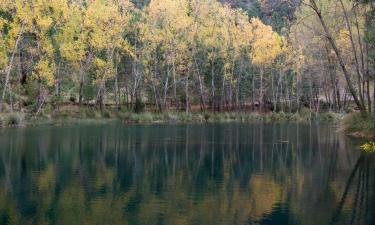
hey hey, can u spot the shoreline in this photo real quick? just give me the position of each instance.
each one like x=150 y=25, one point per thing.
x=347 y=123
x=25 y=120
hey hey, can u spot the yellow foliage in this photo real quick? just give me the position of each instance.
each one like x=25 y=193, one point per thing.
x=266 y=44
x=343 y=40
x=369 y=147
x=44 y=71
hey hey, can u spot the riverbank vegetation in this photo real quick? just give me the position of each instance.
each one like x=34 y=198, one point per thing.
x=82 y=115
x=360 y=125
x=206 y=57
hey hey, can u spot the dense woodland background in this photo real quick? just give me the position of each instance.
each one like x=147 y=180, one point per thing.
x=233 y=55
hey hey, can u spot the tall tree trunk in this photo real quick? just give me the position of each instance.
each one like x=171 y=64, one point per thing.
x=368 y=78
x=339 y=56
x=354 y=49
x=58 y=88
x=213 y=84
x=222 y=96
x=23 y=67
x=176 y=102
x=117 y=94
x=81 y=83
x=273 y=93
x=261 y=89
x=187 y=94
x=203 y=107
x=156 y=92
x=252 y=91
x=9 y=69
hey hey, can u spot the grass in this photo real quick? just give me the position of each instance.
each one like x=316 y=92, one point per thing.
x=199 y=117
x=12 y=119
x=74 y=113
x=359 y=124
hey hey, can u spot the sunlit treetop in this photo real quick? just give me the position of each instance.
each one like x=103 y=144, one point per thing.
x=266 y=45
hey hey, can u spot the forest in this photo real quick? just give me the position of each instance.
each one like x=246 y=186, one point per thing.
x=187 y=55
x=177 y=112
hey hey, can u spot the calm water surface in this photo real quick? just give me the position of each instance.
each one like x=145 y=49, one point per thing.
x=214 y=174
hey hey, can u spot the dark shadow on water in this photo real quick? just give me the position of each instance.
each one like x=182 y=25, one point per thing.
x=361 y=182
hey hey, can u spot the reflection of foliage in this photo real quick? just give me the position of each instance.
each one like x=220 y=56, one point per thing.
x=181 y=174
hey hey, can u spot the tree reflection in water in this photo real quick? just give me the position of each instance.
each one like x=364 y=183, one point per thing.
x=184 y=174
x=361 y=180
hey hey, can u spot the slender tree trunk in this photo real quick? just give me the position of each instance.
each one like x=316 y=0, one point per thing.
x=201 y=92
x=238 y=92
x=58 y=88
x=222 y=96
x=165 y=92
x=354 y=49
x=261 y=89
x=213 y=84
x=288 y=96
x=368 y=77
x=117 y=96
x=176 y=102
x=187 y=94
x=40 y=100
x=81 y=83
x=83 y=64
x=100 y=95
x=23 y=67
x=273 y=93
x=310 y=97
x=338 y=54
x=156 y=92
x=9 y=69
x=282 y=98
x=252 y=92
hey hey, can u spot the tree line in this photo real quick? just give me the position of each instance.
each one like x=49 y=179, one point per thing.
x=185 y=55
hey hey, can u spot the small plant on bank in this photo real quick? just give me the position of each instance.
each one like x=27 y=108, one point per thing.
x=359 y=122
x=13 y=120
x=368 y=147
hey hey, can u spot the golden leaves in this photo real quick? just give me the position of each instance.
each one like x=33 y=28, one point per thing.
x=44 y=71
x=266 y=44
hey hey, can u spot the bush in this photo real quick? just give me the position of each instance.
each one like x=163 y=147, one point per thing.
x=106 y=114
x=142 y=117
x=13 y=119
x=330 y=117
x=206 y=116
x=170 y=117
x=186 y=117
x=359 y=122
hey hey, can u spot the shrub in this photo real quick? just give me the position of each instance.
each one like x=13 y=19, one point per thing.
x=186 y=117
x=169 y=116
x=13 y=119
x=369 y=147
x=206 y=116
x=143 y=117
x=106 y=114
x=359 y=122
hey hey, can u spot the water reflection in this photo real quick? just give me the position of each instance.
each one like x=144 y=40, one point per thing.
x=184 y=174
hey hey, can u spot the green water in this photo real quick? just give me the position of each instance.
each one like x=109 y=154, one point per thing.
x=184 y=174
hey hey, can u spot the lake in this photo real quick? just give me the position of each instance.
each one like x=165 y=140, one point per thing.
x=208 y=174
